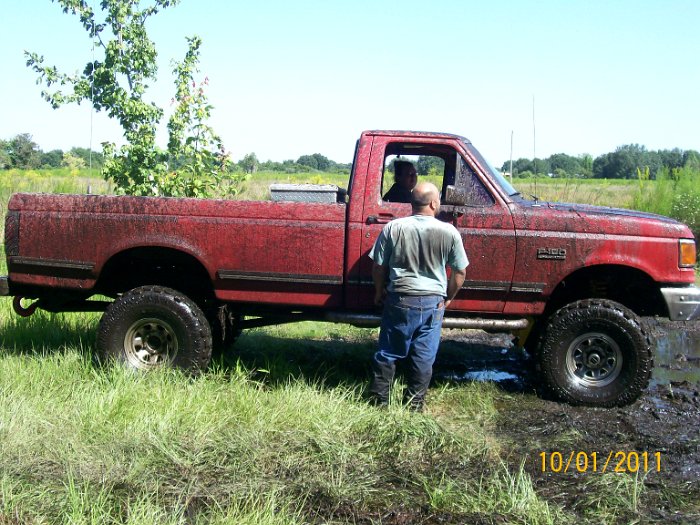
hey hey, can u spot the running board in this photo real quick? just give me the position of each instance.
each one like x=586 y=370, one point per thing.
x=369 y=321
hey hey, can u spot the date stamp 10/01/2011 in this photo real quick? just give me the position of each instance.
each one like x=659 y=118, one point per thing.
x=619 y=461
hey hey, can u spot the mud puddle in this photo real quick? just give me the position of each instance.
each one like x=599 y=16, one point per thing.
x=664 y=421
x=473 y=355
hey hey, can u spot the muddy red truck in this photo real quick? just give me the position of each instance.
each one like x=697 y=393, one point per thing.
x=177 y=277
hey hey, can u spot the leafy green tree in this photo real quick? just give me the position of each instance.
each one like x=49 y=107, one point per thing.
x=309 y=161
x=428 y=163
x=52 y=159
x=24 y=153
x=519 y=166
x=91 y=158
x=564 y=165
x=624 y=161
x=322 y=162
x=249 y=163
x=670 y=158
x=117 y=84
x=586 y=163
x=5 y=161
x=691 y=159
x=72 y=162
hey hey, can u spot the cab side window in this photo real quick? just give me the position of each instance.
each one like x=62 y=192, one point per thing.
x=406 y=164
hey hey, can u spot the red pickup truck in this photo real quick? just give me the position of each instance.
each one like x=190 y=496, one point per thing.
x=186 y=275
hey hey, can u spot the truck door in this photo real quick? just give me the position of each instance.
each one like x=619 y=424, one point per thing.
x=481 y=216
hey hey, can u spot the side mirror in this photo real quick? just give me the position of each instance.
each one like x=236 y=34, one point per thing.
x=456 y=196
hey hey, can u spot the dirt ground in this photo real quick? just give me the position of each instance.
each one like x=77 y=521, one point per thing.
x=664 y=423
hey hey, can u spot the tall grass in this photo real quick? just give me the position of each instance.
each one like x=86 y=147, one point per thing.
x=599 y=192
x=277 y=433
x=83 y=445
x=674 y=193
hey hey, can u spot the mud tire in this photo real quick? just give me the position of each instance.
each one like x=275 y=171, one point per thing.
x=152 y=327
x=596 y=353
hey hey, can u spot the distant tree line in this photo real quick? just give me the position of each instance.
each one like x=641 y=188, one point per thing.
x=22 y=152
x=315 y=162
x=623 y=163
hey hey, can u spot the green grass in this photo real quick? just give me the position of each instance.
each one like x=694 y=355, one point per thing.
x=615 y=193
x=278 y=433
x=87 y=445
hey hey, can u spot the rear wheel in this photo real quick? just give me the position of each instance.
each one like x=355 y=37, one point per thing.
x=595 y=352
x=151 y=327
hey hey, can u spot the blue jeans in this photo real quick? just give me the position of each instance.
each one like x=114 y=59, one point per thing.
x=410 y=330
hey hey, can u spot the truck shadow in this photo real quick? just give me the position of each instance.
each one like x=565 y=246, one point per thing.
x=464 y=356
x=44 y=333
x=461 y=358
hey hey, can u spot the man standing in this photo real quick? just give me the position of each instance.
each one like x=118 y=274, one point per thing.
x=410 y=280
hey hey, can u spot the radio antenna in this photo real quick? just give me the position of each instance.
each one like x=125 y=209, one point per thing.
x=534 y=143
x=92 y=95
x=511 y=156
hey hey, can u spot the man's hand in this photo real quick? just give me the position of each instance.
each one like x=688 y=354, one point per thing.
x=456 y=281
x=379 y=278
x=379 y=297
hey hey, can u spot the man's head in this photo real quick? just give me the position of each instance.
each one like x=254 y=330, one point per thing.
x=425 y=199
x=405 y=174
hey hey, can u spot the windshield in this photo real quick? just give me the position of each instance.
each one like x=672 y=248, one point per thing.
x=502 y=182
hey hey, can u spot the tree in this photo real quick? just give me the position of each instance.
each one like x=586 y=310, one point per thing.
x=24 y=153
x=564 y=165
x=624 y=161
x=586 y=162
x=5 y=161
x=322 y=162
x=72 y=162
x=309 y=161
x=52 y=159
x=249 y=163
x=428 y=163
x=117 y=84
x=91 y=158
x=691 y=159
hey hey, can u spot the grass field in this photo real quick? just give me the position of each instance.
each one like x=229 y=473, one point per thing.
x=256 y=440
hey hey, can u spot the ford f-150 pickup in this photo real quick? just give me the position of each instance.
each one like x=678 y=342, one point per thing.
x=186 y=275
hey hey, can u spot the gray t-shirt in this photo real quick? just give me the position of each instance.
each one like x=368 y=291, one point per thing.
x=416 y=249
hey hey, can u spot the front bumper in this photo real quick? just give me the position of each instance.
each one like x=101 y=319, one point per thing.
x=683 y=303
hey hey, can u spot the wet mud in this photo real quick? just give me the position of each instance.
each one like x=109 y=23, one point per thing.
x=664 y=423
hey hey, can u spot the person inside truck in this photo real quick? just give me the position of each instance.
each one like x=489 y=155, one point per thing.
x=405 y=179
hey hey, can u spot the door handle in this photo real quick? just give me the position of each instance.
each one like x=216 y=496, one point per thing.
x=382 y=218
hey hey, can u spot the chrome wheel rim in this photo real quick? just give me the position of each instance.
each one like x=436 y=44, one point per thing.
x=594 y=360
x=150 y=343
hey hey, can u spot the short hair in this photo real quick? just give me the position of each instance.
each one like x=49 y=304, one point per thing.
x=401 y=167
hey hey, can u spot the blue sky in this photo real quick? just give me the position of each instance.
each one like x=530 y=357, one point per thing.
x=292 y=78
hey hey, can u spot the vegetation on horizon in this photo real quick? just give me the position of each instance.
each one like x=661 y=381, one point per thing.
x=623 y=163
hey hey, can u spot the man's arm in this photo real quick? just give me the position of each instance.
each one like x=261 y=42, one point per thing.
x=379 y=274
x=455 y=283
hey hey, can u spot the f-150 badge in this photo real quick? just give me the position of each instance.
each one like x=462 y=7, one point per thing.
x=558 y=254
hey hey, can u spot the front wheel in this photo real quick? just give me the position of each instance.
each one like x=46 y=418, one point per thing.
x=595 y=352
x=151 y=327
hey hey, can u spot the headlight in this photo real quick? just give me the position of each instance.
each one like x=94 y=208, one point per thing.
x=687 y=255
